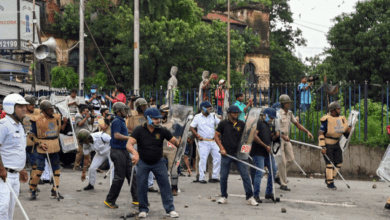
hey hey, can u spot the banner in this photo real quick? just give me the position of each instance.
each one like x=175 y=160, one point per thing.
x=26 y=24
x=8 y=24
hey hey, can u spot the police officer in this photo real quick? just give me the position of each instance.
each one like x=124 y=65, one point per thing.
x=137 y=116
x=286 y=118
x=150 y=138
x=333 y=126
x=98 y=142
x=44 y=134
x=120 y=157
x=12 y=153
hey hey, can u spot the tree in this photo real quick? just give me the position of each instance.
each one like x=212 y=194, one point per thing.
x=64 y=77
x=360 y=43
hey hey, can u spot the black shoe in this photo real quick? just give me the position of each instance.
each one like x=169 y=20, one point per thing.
x=285 y=188
x=47 y=181
x=89 y=187
x=387 y=206
x=332 y=186
x=41 y=182
x=54 y=195
x=152 y=190
x=269 y=196
x=277 y=180
x=196 y=181
x=258 y=200
x=33 y=195
x=214 y=181
x=182 y=174
x=202 y=181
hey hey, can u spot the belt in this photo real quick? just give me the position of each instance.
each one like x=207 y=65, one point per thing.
x=11 y=170
x=205 y=139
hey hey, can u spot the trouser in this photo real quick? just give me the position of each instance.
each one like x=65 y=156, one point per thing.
x=161 y=173
x=242 y=169
x=209 y=165
x=7 y=199
x=335 y=155
x=170 y=154
x=47 y=172
x=150 y=180
x=79 y=156
x=123 y=166
x=256 y=175
x=98 y=160
x=287 y=161
x=31 y=157
x=40 y=161
x=205 y=148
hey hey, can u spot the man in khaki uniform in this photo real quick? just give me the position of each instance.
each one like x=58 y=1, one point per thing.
x=137 y=116
x=286 y=118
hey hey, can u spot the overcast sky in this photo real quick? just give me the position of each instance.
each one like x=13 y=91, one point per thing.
x=314 y=18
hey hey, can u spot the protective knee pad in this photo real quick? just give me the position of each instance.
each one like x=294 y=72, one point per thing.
x=329 y=173
x=338 y=166
x=35 y=177
x=56 y=179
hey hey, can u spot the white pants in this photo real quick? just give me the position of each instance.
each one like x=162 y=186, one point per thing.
x=46 y=175
x=7 y=199
x=205 y=148
x=98 y=160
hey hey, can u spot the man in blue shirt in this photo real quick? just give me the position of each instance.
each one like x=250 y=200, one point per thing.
x=304 y=90
x=244 y=108
x=121 y=158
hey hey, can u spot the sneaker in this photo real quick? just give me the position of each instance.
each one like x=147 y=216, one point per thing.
x=285 y=188
x=33 y=195
x=174 y=192
x=387 y=206
x=152 y=190
x=110 y=205
x=258 y=200
x=54 y=195
x=135 y=203
x=223 y=200
x=38 y=190
x=89 y=187
x=173 y=214
x=251 y=201
x=277 y=180
x=143 y=214
x=332 y=186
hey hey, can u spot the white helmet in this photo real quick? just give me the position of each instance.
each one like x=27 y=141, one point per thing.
x=10 y=101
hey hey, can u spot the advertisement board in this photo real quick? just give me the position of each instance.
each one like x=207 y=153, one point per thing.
x=26 y=24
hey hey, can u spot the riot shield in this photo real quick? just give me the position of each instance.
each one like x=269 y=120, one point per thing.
x=384 y=167
x=352 y=119
x=177 y=117
x=247 y=135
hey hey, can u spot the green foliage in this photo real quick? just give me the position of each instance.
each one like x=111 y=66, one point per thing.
x=100 y=80
x=68 y=23
x=360 y=43
x=64 y=77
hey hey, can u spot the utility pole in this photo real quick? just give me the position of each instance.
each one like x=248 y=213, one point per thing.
x=136 y=47
x=81 y=50
x=33 y=69
x=228 y=49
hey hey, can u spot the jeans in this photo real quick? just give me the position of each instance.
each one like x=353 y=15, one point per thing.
x=260 y=162
x=242 y=169
x=160 y=171
x=219 y=110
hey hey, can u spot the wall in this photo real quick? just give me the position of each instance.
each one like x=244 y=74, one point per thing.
x=359 y=161
x=261 y=63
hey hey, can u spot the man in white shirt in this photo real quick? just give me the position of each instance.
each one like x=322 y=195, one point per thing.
x=99 y=142
x=72 y=101
x=205 y=122
x=12 y=153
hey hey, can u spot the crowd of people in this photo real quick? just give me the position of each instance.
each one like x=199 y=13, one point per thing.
x=137 y=141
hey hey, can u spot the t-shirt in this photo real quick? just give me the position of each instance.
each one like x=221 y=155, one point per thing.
x=118 y=126
x=305 y=94
x=230 y=135
x=120 y=98
x=78 y=118
x=265 y=131
x=150 y=145
x=242 y=106
x=72 y=108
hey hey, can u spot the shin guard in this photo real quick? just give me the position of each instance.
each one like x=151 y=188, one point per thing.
x=56 y=180
x=338 y=166
x=329 y=173
x=35 y=177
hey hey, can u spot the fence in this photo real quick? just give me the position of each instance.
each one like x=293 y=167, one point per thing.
x=352 y=96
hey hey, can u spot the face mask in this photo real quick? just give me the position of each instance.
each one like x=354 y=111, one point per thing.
x=267 y=118
x=150 y=122
x=205 y=110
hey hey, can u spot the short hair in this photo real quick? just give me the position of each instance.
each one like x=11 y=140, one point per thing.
x=120 y=88
x=153 y=98
x=83 y=107
x=302 y=77
x=239 y=94
x=73 y=90
x=103 y=110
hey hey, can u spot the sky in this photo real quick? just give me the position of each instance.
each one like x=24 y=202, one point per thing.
x=314 y=18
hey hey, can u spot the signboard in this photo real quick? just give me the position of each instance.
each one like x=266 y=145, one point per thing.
x=12 y=38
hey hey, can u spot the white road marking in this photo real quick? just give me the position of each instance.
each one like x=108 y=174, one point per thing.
x=307 y=202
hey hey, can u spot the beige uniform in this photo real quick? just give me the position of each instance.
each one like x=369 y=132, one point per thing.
x=286 y=148
x=169 y=150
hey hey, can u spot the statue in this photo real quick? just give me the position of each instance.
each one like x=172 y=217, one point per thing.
x=205 y=86
x=172 y=84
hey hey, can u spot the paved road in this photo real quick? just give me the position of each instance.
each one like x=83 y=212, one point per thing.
x=309 y=199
